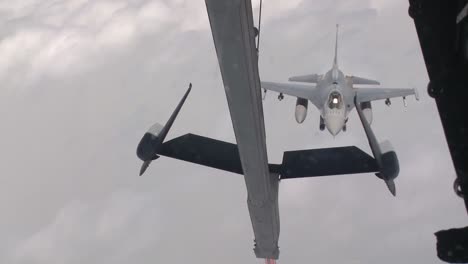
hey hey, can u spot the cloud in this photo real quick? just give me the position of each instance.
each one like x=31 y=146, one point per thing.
x=53 y=39
x=82 y=231
x=82 y=81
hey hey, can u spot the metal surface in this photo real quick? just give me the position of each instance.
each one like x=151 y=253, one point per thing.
x=232 y=28
x=296 y=164
x=152 y=141
x=334 y=110
x=444 y=45
x=325 y=162
x=384 y=154
x=204 y=151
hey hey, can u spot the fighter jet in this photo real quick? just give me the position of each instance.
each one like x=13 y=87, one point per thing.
x=333 y=95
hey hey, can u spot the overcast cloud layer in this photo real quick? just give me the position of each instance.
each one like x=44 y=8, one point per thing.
x=82 y=80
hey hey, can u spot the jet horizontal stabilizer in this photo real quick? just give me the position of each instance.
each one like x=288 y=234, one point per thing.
x=310 y=78
x=360 y=80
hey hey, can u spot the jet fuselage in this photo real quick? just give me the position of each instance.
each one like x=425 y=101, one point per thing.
x=337 y=94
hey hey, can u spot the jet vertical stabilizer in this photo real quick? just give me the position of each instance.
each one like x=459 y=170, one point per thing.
x=335 y=60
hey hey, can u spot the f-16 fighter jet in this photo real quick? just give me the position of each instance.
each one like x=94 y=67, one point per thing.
x=333 y=95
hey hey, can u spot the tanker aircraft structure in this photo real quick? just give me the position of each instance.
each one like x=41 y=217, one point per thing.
x=234 y=39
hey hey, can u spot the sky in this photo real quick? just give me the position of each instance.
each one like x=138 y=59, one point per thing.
x=82 y=80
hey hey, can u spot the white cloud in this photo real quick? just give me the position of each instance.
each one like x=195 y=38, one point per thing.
x=51 y=39
x=385 y=4
x=153 y=15
x=99 y=73
x=272 y=8
x=121 y=224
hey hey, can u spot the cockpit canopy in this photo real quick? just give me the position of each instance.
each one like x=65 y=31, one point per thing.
x=335 y=100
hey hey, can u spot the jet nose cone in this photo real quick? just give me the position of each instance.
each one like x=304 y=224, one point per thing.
x=334 y=131
x=334 y=125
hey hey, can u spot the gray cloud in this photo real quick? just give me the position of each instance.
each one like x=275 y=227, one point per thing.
x=97 y=231
x=82 y=81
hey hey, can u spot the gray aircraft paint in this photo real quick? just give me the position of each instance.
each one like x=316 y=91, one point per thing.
x=334 y=81
x=384 y=154
x=335 y=96
x=238 y=60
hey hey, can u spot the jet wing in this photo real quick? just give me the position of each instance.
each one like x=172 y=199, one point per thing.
x=293 y=89
x=372 y=94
